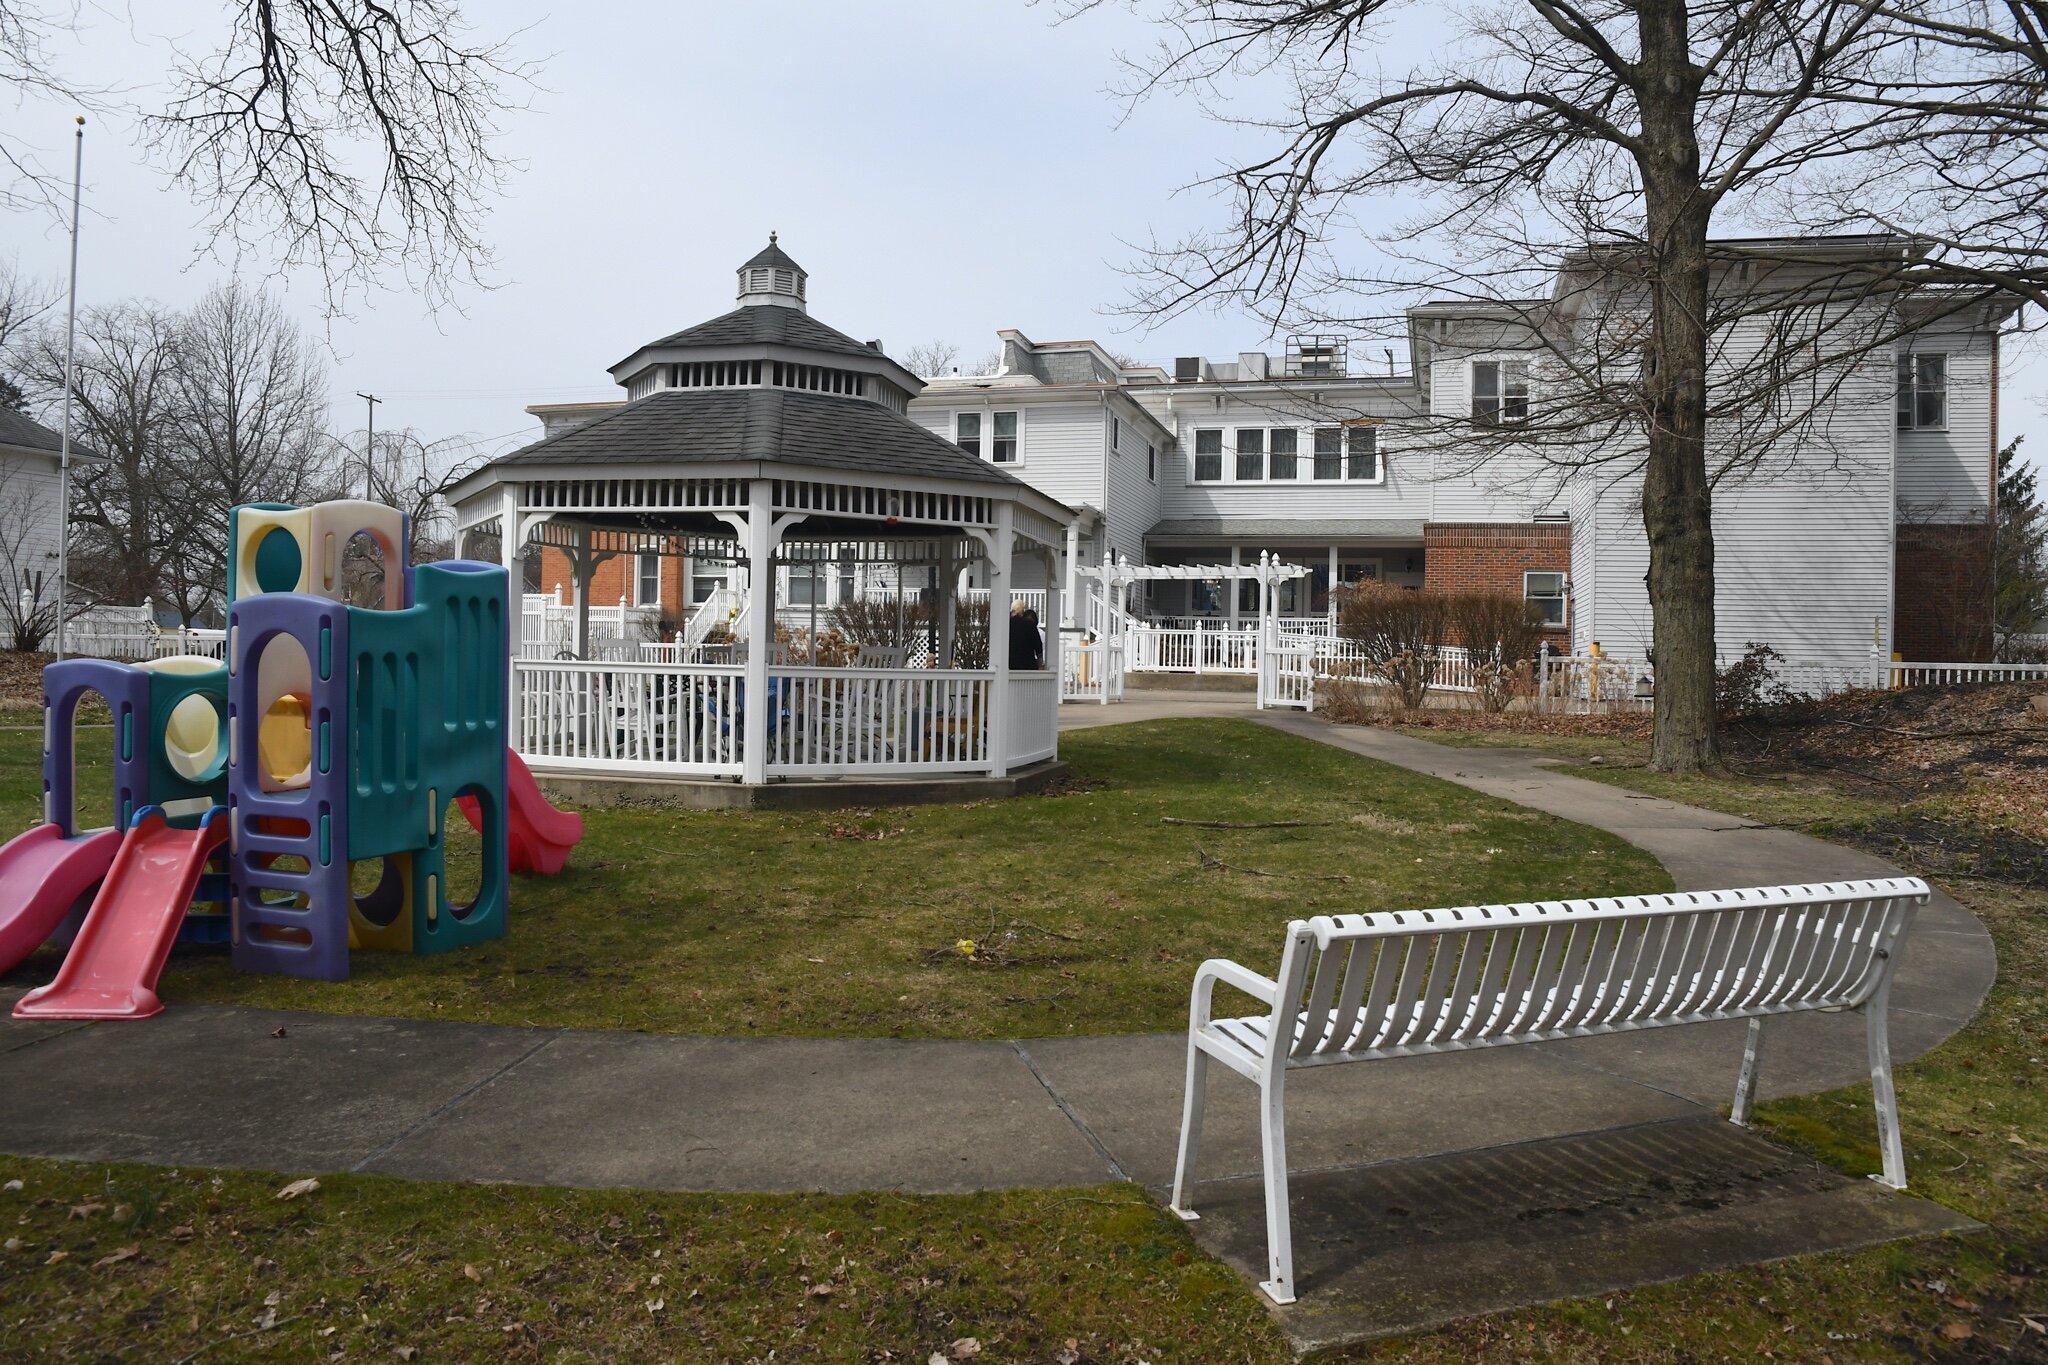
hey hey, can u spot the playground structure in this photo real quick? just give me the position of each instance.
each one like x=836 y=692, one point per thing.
x=334 y=742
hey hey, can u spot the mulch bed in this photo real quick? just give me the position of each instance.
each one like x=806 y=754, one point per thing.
x=21 y=677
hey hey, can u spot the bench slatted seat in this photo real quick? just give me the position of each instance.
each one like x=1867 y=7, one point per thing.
x=1409 y=982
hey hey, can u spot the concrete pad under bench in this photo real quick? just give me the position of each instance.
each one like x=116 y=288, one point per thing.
x=1406 y=1246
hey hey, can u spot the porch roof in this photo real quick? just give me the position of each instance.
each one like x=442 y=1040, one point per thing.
x=1320 y=529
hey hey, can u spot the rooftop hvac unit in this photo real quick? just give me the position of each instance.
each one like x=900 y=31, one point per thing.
x=1315 y=357
x=1187 y=369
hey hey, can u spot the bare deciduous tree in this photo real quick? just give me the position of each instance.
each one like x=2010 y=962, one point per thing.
x=351 y=139
x=23 y=301
x=251 y=406
x=930 y=359
x=129 y=509
x=1557 y=170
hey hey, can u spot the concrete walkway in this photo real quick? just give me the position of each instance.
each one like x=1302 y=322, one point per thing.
x=314 y=1092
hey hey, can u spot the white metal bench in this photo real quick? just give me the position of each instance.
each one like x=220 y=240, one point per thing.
x=1354 y=988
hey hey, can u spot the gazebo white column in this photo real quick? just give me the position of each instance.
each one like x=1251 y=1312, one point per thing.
x=760 y=550
x=999 y=696
x=582 y=568
x=510 y=538
x=945 y=603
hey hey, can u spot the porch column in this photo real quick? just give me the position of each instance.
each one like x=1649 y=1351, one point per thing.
x=999 y=576
x=1331 y=592
x=1234 y=580
x=581 y=570
x=760 y=548
x=1055 y=632
x=1069 y=597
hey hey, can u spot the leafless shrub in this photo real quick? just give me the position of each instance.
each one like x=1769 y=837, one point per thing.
x=1399 y=631
x=1501 y=634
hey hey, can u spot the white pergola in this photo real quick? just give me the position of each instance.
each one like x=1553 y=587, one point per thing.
x=1117 y=576
x=688 y=719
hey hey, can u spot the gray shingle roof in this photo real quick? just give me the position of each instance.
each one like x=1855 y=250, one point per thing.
x=20 y=432
x=706 y=426
x=1291 y=528
x=771 y=255
x=766 y=322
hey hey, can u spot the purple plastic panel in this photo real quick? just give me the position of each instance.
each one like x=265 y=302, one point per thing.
x=272 y=933
x=126 y=689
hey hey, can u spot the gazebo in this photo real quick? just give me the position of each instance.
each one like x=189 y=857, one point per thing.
x=768 y=440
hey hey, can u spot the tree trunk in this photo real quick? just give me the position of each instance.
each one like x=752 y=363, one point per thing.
x=1677 y=502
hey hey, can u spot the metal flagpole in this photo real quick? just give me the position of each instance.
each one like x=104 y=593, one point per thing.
x=64 y=438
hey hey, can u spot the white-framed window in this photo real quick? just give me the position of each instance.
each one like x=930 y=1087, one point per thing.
x=1347 y=453
x=1362 y=454
x=1329 y=456
x=1251 y=454
x=1152 y=462
x=1116 y=434
x=807 y=584
x=1923 y=391
x=1281 y=443
x=1546 y=590
x=1500 y=391
x=646 y=579
x=707 y=576
x=987 y=435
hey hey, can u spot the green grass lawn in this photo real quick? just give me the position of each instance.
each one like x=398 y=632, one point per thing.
x=380 y=1269
x=108 y=1262
x=1079 y=913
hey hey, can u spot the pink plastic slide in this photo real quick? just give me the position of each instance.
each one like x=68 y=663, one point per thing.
x=112 y=969
x=540 y=835
x=42 y=875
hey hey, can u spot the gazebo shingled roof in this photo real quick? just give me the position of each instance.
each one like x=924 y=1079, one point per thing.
x=747 y=326
x=720 y=426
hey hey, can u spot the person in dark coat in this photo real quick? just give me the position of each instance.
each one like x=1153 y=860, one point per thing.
x=1027 y=650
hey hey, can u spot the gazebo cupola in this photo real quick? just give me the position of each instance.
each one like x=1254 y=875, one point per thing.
x=771 y=277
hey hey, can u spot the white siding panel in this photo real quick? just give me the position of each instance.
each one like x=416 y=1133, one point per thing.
x=1945 y=476
x=28 y=523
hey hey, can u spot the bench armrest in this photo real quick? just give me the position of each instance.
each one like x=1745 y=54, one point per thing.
x=1230 y=974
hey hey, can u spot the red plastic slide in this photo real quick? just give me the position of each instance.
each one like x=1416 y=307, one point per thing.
x=540 y=835
x=112 y=969
x=42 y=875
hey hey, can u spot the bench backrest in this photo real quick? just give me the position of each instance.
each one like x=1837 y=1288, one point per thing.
x=1428 y=980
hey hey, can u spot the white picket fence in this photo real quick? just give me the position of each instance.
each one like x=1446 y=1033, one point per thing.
x=1091 y=670
x=1955 y=675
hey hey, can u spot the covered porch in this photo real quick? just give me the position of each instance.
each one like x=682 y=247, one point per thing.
x=1333 y=551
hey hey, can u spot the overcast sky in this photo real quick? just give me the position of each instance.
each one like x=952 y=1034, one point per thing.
x=941 y=169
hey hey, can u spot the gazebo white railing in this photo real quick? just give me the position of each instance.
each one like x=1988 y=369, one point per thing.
x=951 y=706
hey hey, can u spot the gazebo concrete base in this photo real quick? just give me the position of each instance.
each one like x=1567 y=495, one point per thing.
x=833 y=793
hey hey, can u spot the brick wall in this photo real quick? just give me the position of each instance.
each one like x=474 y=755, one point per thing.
x=1941 y=603
x=1492 y=556
x=612 y=579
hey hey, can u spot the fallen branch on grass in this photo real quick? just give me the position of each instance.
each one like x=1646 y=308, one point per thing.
x=1210 y=864
x=1922 y=734
x=1245 y=824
